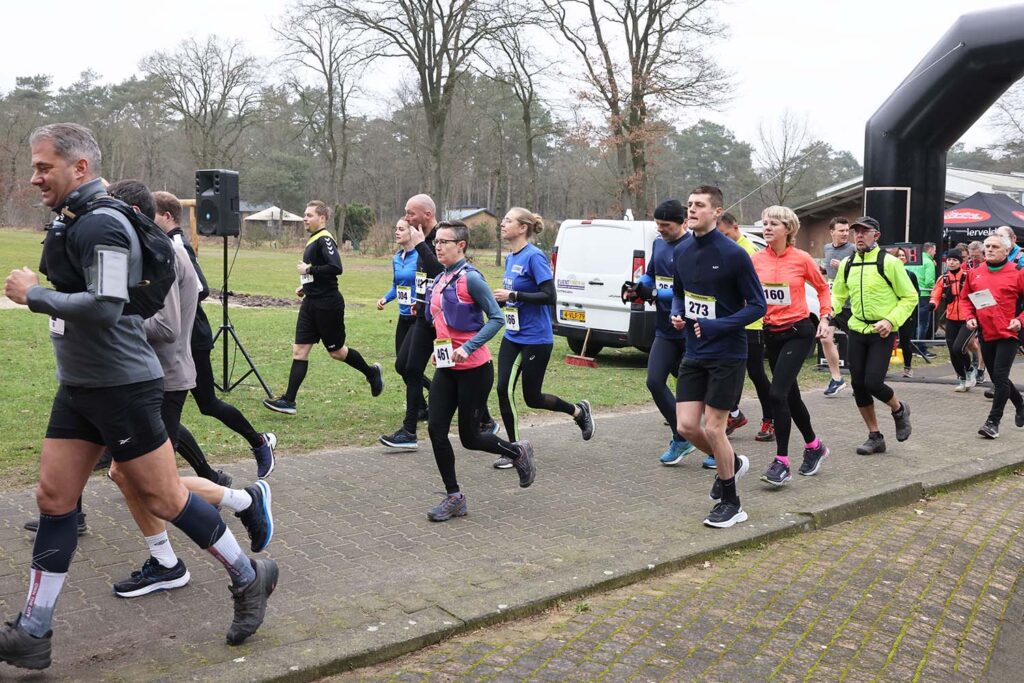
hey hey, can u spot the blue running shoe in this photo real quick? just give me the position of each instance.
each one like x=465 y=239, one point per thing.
x=677 y=450
x=452 y=505
x=709 y=462
x=258 y=519
x=264 y=454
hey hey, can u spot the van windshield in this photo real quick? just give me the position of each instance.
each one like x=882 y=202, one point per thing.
x=595 y=249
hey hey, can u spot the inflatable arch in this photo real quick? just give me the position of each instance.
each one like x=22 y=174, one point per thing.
x=906 y=140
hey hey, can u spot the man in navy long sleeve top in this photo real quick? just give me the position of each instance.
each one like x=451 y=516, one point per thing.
x=716 y=294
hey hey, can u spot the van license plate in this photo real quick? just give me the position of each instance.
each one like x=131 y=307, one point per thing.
x=574 y=316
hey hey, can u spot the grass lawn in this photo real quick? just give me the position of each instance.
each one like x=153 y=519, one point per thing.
x=335 y=406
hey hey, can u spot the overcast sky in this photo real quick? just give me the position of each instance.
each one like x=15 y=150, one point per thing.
x=834 y=62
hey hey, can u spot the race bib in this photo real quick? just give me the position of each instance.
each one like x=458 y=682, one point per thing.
x=511 y=318
x=698 y=306
x=111 y=274
x=444 y=355
x=982 y=299
x=776 y=293
x=305 y=279
x=421 y=284
x=56 y=326
x=404 y=295
x=663 y=282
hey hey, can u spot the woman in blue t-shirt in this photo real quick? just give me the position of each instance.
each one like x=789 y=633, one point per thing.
x=527 y=291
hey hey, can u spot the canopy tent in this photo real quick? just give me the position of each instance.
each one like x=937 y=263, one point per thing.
x=274 y=215
x=977 y=216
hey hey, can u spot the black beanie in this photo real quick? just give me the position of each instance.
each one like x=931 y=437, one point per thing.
x=955 y=253
x=671 y=210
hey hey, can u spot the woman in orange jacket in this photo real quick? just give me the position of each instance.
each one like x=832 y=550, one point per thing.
x=959 y=338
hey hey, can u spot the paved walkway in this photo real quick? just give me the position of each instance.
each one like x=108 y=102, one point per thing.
x=919 y=591
x=365 y=576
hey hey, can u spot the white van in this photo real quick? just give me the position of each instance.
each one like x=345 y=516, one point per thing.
x=591 y=260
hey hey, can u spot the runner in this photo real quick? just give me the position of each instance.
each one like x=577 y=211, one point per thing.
x=958 y=337
x=835 y=251
x=755 y=353
x=458 y=302
x=909 y=327
x=789 y=337
x=322 y=313
x=881 y=298
x=989 y=299
x=527 y=291
x=405 y=265
x=716 y=294
x=667 y=349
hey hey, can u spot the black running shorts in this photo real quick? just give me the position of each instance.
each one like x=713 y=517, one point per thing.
x=321 y=319
x=126 y=419
x=717 y=383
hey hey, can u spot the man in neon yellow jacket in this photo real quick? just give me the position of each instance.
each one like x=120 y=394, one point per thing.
x=881 y=299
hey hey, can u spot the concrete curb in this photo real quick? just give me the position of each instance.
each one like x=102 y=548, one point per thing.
x=322 y=656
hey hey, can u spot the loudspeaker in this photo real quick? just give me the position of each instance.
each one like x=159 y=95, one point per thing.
x=217 y=202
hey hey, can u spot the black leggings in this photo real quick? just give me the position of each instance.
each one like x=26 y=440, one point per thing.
x=787 y=351
x=410 y=362
x=999 y=355
x=664 y=359
x=755 y=370
x=530 y=362
x=868 y=356
x=957 y=339
x=906 y=332
x=181 y=439
x=464 y=391
x=206 y=398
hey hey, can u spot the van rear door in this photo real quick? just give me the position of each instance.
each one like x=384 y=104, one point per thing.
x=594 y=259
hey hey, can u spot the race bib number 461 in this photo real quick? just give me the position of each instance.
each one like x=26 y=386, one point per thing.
x=444 y=355
x=698 y=306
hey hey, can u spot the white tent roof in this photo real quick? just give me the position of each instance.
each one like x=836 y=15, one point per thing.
x=274 y=214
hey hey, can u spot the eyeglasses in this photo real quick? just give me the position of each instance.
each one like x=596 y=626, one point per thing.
x=441 y=241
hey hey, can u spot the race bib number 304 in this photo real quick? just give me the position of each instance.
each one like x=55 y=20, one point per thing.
x=404 y=295
x=444 y=355
x=698 y=306
x=776 y=293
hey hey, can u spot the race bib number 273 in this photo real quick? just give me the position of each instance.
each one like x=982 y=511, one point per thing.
x=698 y=306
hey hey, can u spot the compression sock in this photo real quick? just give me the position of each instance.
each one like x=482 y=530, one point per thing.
x=52 y=551
x=160 y=548
x=231 y=555
x=236 y=500
x=355 y=360
x=295 y=378
x=43 y=590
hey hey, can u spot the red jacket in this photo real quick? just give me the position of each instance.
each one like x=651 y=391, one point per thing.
x=1005 y=285
x=954 y=309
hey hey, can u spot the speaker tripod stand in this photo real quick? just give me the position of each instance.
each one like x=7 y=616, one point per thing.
x=231 y=337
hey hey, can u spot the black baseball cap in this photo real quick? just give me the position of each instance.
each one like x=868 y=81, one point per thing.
x=866 y=222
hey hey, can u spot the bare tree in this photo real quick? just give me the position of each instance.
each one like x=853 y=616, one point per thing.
x=317 y=42
x=215 y=88
x=1009 y=119
x=638 y=55
x=779 y=156
x=438 y=38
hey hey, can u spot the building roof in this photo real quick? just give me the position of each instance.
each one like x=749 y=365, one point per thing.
x=275 y=214
x=250 y=207
x=461 y=213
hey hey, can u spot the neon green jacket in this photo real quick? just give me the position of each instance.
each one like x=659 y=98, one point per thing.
x=871 y=298
x=751 y=249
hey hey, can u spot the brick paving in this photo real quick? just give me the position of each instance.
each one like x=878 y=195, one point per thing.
x=364 y=575
x=915 y=593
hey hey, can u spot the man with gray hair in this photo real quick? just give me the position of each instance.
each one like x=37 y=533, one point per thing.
x=109 y=395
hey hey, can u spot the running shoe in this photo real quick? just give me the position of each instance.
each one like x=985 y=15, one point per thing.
x=709 y=462
x=452 y=505
x=224 y=479
x=1018 y=417
x=280 y=405
x=524 y=464
x=813 y=458
x=834 y=387
x=400 y=439
x=20 y=648
x=767 y=432
x=902 y=419
x=490 y=427
x=151 y=578
x=981 y=376
x=677 y=450
x=33 y=525
x=989 y=393
x=874 y=444
x=972 y=378
x=585 y=420
x=376 y=380
x=503 y=463
x=734 y=423
x=251 y=601
x=961 y=386
x=725 y=515
x=908 y=372
x=930 y=355
x=777 y=473
x=989 y=430
x=258 y=518
x=264 y=454
x=741 y=467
